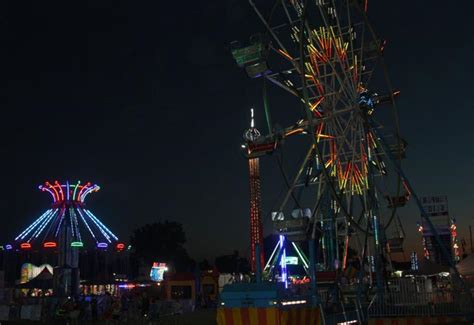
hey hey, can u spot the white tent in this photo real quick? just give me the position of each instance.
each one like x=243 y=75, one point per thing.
x=466 y=266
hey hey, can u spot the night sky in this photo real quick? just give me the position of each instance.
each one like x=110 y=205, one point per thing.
x=145 y=100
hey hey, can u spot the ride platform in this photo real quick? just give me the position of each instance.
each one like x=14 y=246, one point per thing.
x=264 y=303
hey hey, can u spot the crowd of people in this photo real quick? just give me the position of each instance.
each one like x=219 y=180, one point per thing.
x=131 y=307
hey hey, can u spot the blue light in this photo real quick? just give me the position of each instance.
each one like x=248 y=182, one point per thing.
x=33 y=225
x=85 y=222
x=8 y=247
x=97 y=225
x=371 y=261
x=414 y=261
x=59 y=226
x=72 y=223
x=43 y=225
x=76 y=223
x=284 y=273
x=103 y=226
x=376 y=230
x=365 y=99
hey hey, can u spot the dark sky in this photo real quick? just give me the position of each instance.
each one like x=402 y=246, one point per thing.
x=144 y=99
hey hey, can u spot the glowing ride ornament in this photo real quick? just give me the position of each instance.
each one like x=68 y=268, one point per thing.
x=67 y=215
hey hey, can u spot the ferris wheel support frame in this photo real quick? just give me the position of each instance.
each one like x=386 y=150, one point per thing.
x=310 y=124
x=299 y=66
x=424 y=215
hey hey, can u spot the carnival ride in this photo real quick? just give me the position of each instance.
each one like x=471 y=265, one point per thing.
x=325 y=55
x=68 y=218
x=349 y=186
x=64 y=232
x=256 y=226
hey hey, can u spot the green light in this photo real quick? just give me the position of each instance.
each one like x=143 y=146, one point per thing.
x=75 y=190
x=77 y=244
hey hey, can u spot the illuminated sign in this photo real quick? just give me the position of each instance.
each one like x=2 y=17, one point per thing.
x=291 y=260
x=157 y=271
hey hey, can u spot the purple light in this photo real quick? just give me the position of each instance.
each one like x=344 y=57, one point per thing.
x=67 y=190
x=8 y=246
x=102 y=245
x=48 y=190
x=127 y=286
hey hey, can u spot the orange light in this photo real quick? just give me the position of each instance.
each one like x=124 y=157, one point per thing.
x=25 y=245
x=295 y=131
x=50 y=244
x=286 y=55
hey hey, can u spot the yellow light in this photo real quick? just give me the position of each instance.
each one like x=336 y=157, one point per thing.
x=326 y=136
x=295 y=131
x=316 y=104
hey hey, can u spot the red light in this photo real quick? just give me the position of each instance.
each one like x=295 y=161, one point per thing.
x=50 y=244
x=120 y=246
x=25 y=245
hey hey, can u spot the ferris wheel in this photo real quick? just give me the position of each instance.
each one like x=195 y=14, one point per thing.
x=326 y=55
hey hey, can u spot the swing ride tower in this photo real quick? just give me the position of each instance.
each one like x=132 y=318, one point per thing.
x=62 y=231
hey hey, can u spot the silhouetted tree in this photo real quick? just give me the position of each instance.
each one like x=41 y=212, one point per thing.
x=232 y=263
x=162 y=242
x=204 y=265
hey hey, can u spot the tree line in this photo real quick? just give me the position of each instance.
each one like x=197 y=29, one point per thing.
x=164 y=242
